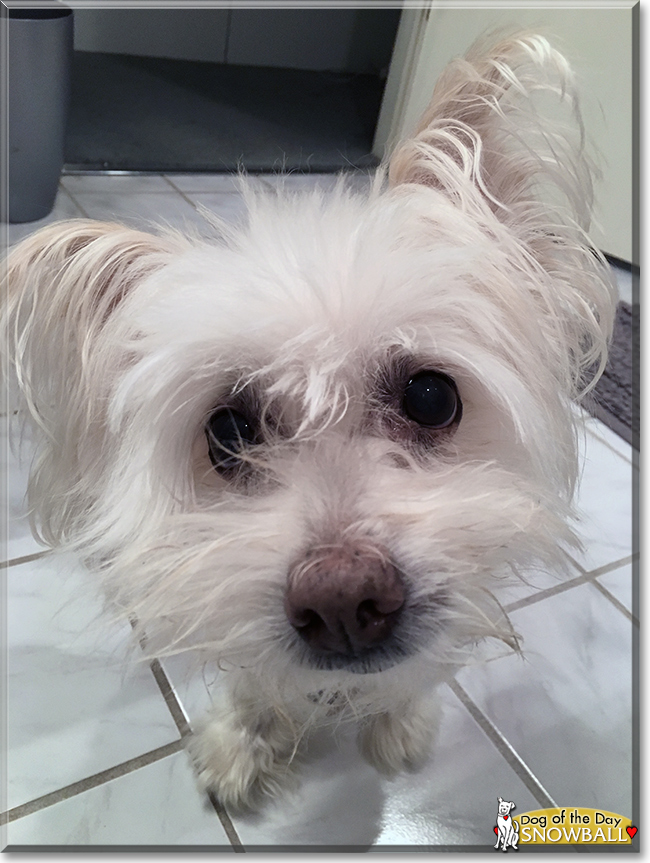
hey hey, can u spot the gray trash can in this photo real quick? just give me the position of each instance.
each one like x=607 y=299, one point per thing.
x=40 y=59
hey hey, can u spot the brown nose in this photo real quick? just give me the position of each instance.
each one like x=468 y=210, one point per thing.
x=343 y=600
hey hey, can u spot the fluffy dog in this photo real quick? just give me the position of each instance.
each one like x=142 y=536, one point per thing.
x=308 y=449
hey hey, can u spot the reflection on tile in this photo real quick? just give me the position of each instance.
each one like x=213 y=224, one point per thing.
x=566 y=706
x=156 y=805
x=454 y=800
x=64 y=208
x=74 y=704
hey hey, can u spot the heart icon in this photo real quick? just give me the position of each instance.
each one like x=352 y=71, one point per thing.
x=496 y=829
x=631 y=831
x=505 y=817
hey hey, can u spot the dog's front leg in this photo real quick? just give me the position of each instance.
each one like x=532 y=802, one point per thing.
x=400 y=739
x=246 y=750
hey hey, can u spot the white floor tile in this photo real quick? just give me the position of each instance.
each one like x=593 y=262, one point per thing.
x=601 y=431
x=604 y=502
x=344 y=802
x=193 y=183
x=530 y=583
x=619 y=584
x=113 y=184
x=339 y=802
x=145 y=210
x=197 y=688
x=75 y=706
x=305 y=182
x=64 y=208
x=566 y=706
x=155 y=805
x=454 y=800
x=226 y=205
x=624 y=280
x=301 y=182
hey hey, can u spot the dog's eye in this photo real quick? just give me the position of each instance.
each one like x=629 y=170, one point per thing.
x=228 y=432
x=431 y=399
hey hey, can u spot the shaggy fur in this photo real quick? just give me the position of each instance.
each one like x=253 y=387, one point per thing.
x=467 y=257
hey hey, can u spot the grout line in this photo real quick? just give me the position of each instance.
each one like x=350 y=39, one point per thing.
x=610 y=567
x=172 y=701
x=27 y=558
x=182 y=721
x=184 y=195
x=584 y=578
x=610 y=596
x=504 y=748
x=74 y=200
x=91 y=782
x=226 y=823
x=169 y=182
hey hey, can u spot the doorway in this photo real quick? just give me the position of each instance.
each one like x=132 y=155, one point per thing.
x=177 y=90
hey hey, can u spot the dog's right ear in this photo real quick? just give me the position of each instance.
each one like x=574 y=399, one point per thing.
x=61 y=287
x=63 y=291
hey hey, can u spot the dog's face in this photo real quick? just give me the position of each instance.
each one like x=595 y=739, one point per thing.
x=316 y=443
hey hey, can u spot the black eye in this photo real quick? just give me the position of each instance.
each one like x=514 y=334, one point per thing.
x=228 y=433
x=431 y=399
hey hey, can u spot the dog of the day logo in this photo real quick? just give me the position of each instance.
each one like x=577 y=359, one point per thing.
x=576 y=825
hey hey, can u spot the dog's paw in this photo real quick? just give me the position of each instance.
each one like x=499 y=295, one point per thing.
x=239 y=766
x=393 y=743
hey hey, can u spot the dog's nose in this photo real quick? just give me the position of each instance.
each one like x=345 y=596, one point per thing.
x=343 y=600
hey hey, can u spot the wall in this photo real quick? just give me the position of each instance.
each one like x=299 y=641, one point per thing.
x=598 y=40
x=342 y=40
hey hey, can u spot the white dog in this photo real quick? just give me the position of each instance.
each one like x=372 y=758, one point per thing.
x=308 y=449
x=507 y=834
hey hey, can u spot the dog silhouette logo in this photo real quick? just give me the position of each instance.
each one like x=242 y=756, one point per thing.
x=506 y=829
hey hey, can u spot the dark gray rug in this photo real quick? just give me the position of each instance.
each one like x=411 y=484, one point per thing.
x=149 y=114
x=615 y=400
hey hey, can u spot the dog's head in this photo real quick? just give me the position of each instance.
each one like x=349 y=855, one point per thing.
x=316 y=441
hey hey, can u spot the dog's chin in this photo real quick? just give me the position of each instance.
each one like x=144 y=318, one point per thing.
x=372 y=661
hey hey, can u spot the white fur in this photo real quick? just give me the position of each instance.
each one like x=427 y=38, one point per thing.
x=470 y=259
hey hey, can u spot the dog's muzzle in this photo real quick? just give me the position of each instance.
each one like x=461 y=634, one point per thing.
x=345 y=603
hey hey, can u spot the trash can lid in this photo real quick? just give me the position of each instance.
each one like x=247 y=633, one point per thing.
x=36 y=14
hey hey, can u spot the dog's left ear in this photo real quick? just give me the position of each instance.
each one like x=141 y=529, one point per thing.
x=487 y=144
x=484 y=130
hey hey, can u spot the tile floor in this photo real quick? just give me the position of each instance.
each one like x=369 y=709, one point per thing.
x=94 y=745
